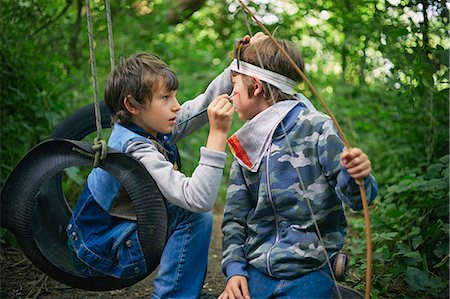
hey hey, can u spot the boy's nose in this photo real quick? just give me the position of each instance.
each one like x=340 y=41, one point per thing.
x=176 y=106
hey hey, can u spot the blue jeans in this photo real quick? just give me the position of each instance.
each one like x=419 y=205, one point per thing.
x=184 y=260
x=317 y=284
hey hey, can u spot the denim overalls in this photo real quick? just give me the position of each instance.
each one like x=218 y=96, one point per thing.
x=103 y=244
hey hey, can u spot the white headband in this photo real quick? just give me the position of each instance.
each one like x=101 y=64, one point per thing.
x=281 y=82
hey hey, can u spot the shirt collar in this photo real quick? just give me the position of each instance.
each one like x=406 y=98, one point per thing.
x=250 y=143
x=138 y=130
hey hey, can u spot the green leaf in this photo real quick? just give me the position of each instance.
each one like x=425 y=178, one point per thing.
x=440 y=251
x=414 y=231
x=398 y=32
x=417 y=279
x=435 y=169
x=402 y=248
x=386 y=236
x=445 y=227
x=445 y=160
x=427 y=80
x=414 y=256
x=416 y=241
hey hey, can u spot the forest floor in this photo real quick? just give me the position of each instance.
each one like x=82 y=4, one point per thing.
x=20 y=279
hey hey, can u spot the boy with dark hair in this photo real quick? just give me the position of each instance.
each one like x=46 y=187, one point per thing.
x=141 y=96
x=291 y=173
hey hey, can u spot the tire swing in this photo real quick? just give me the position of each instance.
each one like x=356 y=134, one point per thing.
x=35 y=210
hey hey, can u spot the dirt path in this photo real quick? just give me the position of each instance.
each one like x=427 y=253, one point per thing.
x=20 y=279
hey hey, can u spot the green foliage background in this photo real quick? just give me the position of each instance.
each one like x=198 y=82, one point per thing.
x=382 y=66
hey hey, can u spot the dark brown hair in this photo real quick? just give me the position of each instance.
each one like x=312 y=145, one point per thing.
x=265 y=54
x=136 y=77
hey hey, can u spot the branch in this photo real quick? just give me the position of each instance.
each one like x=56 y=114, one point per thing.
x=68 y=2
x=183 y=10
x=73 y=53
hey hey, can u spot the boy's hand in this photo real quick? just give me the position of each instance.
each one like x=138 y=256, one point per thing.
x=236 y=288
x=220 y=114
x=259 y=36
x=357 y=163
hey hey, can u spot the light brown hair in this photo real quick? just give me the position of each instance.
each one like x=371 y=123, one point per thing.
x=136 y=77
x=265 y=54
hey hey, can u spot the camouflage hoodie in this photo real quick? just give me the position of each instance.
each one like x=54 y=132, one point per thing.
x=267 y=220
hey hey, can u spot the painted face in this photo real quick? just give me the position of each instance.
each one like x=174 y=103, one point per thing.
x=159 y=116
x=246 y=106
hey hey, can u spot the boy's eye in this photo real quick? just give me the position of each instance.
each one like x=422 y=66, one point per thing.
x=165 y=98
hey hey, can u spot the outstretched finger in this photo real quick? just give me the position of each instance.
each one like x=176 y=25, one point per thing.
x=236 y=292
x=230 y=295
x=224 y=295
x=244 y=287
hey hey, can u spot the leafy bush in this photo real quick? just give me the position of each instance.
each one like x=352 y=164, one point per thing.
x=410 y=232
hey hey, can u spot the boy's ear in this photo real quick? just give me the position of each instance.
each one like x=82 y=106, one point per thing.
x=257 y=85
x=129 y=105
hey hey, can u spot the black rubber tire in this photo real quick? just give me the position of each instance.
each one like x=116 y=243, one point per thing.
x=35 y=210
x=81 y=123
x=346 y=293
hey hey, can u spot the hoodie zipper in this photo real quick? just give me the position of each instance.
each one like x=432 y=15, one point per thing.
x=269 y=193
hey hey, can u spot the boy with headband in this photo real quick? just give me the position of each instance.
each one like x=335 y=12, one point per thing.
x=284 y=216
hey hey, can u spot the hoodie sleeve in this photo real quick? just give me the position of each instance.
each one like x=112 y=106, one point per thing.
x=330 y=147
x=234 y=225
x=220 y=85
x=197 y=193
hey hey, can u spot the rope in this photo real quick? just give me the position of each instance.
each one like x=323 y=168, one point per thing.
x=99 y=145
x=359 y=181
x=100 y=152
x=110 y=34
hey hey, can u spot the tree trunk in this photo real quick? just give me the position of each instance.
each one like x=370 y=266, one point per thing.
x=73 y=43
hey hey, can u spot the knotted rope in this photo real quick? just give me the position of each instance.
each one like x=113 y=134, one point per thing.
x=99 y=145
